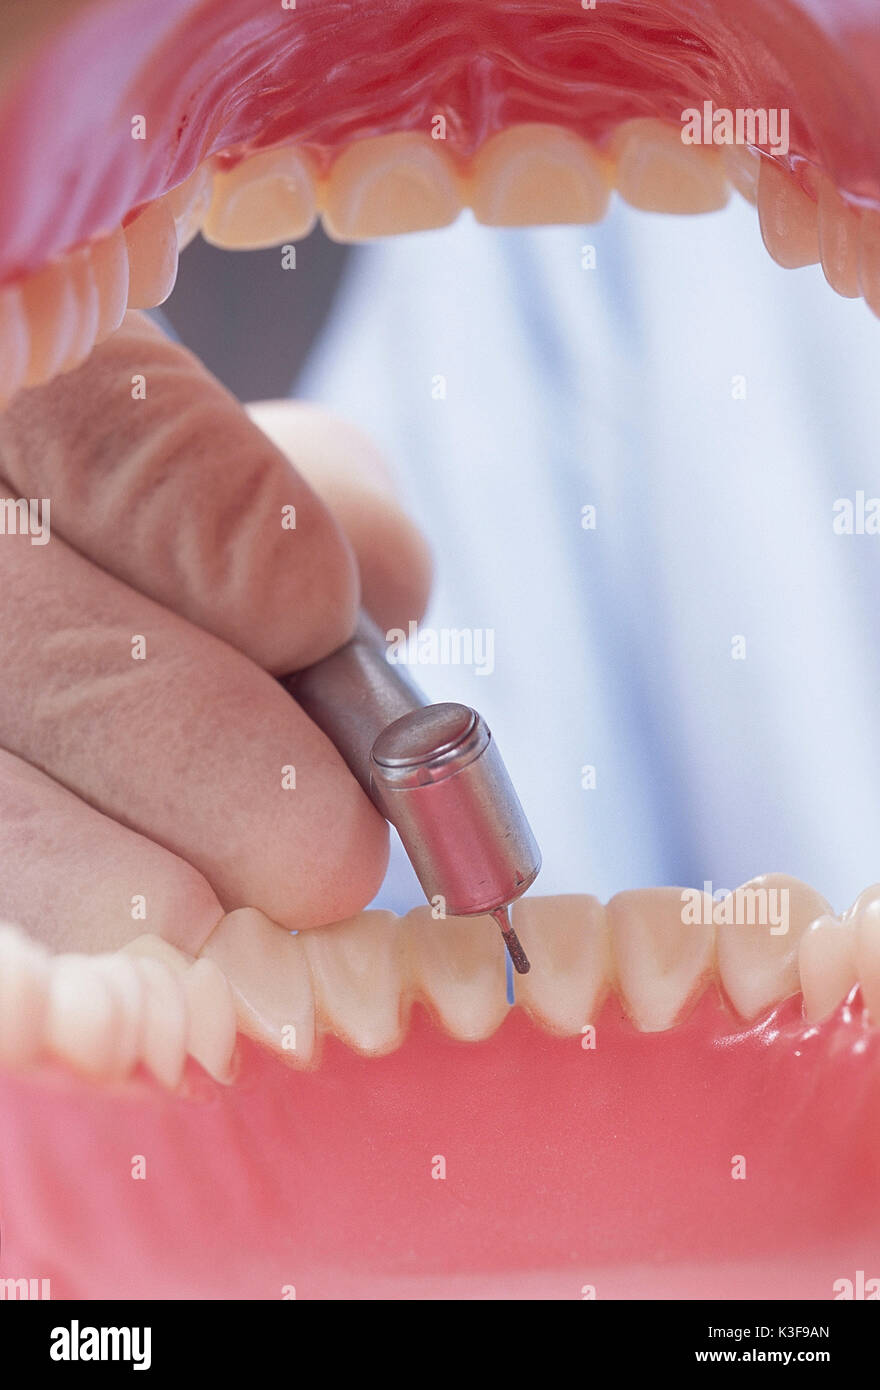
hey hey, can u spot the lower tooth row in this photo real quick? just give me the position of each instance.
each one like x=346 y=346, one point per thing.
x=659 y=949
x=404 y=182
x=105 y=1015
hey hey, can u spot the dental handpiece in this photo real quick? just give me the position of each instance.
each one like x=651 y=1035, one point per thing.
x=434 y=772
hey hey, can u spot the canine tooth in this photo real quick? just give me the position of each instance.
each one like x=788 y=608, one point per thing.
x=839 y=239
x=110 y=269
x=661 y=960
x=14 y=342
x=827 y=964
x=52 y=311
x=389 y=184
x=357 y=972
x=163 y=1038
x=269 y=976
x=568 y=943
x=151 y=240
x=869 y=260
x=122 y=978
x=789 y=218
x=758 y=961
x=741 y=167
x=266 y=199
x=188 y=204
x=458 y=966
x=658 y=173
x=24 y=987
x=84 y=1025
x=533 y=173
x=868 y=957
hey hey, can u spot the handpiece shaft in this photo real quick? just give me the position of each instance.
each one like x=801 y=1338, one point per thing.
x=353 y=695
x=434 y=772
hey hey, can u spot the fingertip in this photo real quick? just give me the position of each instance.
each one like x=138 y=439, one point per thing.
x=336 y=868
x=351 y=476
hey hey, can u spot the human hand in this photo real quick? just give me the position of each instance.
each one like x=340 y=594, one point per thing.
x=143 y=737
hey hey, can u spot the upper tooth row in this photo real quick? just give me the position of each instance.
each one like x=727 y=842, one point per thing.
x=406 y=182
x=50 y=321
x=105 y=1015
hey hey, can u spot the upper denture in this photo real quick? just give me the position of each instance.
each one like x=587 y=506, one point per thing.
x=209 y=79
x=124 y=139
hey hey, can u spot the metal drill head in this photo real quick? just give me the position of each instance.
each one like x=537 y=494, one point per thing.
x=512 y=942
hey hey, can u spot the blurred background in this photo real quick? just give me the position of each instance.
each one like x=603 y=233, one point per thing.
x=685 y=679
x=248 y=321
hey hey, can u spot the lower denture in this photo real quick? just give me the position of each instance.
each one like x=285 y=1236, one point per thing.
x=658 y=950
x=696 y=1163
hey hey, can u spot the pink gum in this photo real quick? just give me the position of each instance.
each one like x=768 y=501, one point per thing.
x=565 y=1168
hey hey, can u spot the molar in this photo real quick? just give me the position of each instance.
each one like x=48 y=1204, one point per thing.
x=789 y=218
x=162 y=1047
x=52 y=310
x=389 y=184
x=658 y=173
x=663 y=957
x=85 y=288
x=457 y=966
x=151 y=240
x=534 y=173
x=568 y=943
x=358 y=975
x=122 y=978
x=758 y=953
x=839 y=239
x=24 y=992
x=868 y=955
x=869 y=260
x=267 y=199
x=210 y=1023
x=110 y=268
x=15 y=341
x=84 y=1024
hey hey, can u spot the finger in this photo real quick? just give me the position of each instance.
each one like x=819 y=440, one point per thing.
x=156 y=473
x=181 y=738
x=50 y=845
x=351 y=477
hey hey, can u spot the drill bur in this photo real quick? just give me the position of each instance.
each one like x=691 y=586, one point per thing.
x=511 y=941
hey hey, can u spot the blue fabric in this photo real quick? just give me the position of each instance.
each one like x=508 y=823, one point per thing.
x=614 y=387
